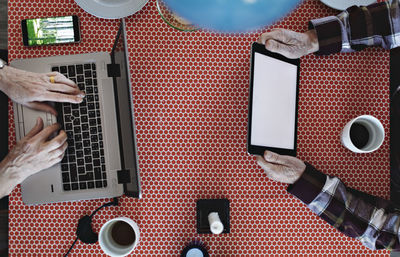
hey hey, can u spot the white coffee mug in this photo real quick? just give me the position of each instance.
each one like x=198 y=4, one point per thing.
x=375 y=130
x=108 y=244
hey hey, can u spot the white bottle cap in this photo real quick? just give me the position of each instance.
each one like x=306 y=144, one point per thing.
x=216 y=225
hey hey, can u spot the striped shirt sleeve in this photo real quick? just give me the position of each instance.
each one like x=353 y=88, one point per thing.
x=372 y=220
x=359 y=27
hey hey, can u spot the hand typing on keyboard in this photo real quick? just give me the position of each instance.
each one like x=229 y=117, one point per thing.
x=32 y=154
x=42 y=147
x=34 y=89
x=83 y=166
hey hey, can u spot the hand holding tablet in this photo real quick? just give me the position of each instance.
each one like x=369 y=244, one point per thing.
x=273 y=99
x=281 y=168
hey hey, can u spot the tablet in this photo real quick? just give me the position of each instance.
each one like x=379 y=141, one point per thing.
x=273 y=98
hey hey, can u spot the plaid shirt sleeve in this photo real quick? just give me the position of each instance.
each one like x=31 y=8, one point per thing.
x=358 y=27
x=372 y=220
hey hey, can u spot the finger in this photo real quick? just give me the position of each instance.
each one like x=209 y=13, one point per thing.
x=36 y=129
x=56 y=142
x=281 y=35
x=59 y=151
x=59 y=78
x=270 y=168
x=60 y=97
x=277 y=34
x=46 y=132
x=263 y=38
x=42 y=107
x=63 y=88
x=260 y=40
x=278 y=47
x=272 y=157
x=55 y=160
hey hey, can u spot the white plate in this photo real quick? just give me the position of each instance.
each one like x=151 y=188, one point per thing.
x=111 y=9
x=344 y=4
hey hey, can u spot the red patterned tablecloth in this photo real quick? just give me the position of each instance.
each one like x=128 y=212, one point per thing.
x=190 y=93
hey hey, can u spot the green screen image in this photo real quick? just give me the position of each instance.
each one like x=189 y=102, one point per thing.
x=50 y=30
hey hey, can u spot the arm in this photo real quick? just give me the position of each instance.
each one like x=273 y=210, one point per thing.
x=373 y=221
x=352 y=30
x=359 y=27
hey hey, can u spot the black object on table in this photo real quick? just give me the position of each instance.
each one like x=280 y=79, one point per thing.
x=195 y=248
x=205 y=207
x=3 y=128
x=395 y=125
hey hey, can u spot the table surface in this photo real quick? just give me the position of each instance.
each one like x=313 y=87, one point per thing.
x=190 y=93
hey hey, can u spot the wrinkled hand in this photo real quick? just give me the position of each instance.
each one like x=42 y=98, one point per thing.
x=281 y=168
x=33 y=89
x=289 y=43
x=32 y=154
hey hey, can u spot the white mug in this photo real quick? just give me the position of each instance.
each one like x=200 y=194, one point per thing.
x=108 y=244
x=375 y=130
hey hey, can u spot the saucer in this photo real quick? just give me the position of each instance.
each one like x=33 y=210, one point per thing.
x=111 y=9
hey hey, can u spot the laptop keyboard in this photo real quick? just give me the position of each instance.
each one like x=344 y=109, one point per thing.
x=83 y=166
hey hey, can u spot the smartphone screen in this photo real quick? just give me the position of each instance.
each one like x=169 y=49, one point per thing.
x=49 y=31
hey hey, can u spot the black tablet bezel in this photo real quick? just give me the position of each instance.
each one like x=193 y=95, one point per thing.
x=77 y=31
x=24 y=33
x=256 y=149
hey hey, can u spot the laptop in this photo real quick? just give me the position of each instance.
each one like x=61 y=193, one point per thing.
x=101 y=159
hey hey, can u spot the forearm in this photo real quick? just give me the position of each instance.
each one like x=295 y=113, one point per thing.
x=313 y=38
x=3 y=78
x=11 y=78
x=359 y=27
x=9 y=177
x=371 y=220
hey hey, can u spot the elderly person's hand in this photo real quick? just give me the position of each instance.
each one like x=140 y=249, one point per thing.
x=32 y=154
x=289 y=43
x=34 y=89
x=281 y=168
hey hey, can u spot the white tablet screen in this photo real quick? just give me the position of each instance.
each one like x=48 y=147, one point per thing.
x=274 y=103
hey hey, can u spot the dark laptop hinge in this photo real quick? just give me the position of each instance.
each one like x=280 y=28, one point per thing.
x=123 y=176
x=113 y=70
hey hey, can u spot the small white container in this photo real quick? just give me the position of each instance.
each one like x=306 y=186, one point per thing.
x=107 y=243
x=375 y=130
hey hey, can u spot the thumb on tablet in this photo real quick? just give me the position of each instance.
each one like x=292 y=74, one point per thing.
x=274 y=157
x=282 y=168
x=278 y=47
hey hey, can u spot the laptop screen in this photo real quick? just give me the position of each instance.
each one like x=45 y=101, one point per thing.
x=125 y=113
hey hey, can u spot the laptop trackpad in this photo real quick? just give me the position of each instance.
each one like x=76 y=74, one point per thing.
x=30 y=117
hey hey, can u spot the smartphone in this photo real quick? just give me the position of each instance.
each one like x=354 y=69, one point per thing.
x=50 y=31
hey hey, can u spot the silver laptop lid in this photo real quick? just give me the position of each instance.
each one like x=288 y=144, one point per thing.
x=119 y=71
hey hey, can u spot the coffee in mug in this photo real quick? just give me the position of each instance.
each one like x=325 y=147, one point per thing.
x=122 y=233
x=363 y=134
x=359 y=135
x=118 y=237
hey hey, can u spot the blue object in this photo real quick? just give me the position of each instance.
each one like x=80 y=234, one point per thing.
x=232 y=15
x=195 y=249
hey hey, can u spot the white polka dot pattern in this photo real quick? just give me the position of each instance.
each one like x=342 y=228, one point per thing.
x=191 y=92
